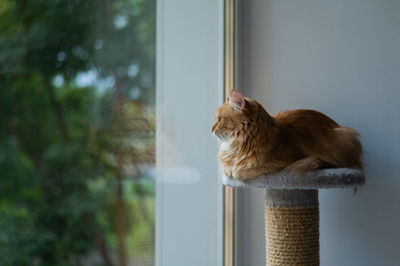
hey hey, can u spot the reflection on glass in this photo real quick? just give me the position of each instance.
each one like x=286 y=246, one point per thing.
x=77 y=140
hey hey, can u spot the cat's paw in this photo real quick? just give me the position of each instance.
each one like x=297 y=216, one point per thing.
x=239 y=175
x=303 y=166
x=227 y=171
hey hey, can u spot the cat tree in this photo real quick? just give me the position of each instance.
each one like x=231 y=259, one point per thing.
x=292 y=211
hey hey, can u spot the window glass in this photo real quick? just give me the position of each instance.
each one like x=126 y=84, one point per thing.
x=189 y=90
x=77 y=132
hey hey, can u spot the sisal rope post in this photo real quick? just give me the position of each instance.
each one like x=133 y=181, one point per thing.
x=292 y=228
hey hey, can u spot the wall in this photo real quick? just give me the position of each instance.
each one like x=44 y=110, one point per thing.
x=189 y=90
x=340 y=57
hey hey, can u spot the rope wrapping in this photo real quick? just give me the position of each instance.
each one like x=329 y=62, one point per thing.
x=292 y=235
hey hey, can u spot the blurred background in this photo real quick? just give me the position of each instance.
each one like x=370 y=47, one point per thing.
x=77 y=132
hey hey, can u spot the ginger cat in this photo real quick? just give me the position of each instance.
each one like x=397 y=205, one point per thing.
x=255 y=143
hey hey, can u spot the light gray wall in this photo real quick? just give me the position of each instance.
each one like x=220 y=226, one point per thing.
x=341 y=57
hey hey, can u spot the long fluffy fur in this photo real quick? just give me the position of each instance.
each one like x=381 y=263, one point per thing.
x=256 y=143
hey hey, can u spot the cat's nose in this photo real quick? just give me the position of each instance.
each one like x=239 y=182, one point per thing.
x=213 y=128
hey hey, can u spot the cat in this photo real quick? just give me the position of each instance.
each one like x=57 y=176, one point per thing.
x=255 y=143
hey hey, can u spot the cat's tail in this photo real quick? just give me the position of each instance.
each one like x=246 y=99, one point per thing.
x=349 y=140
x=348 y=143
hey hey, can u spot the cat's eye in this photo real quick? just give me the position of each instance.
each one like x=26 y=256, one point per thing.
x=219 y=118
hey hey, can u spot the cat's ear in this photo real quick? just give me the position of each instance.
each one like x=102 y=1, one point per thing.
x=236 y=100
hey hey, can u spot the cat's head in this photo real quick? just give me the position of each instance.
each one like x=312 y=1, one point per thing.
x=234 y=116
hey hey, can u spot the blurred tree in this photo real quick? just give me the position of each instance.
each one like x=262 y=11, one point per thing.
x=76 y=130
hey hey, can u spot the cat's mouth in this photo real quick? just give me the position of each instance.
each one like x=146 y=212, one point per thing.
x=221 y=136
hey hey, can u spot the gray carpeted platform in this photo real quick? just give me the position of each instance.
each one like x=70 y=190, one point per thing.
x=324 y=178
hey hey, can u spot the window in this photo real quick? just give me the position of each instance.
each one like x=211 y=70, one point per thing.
x=100 y=164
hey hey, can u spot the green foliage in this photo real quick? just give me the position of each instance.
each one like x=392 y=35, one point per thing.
x=77 y=128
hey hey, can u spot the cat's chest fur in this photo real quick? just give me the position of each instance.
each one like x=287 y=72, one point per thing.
x=225 y=147
x=229 y=158
x=226 y=158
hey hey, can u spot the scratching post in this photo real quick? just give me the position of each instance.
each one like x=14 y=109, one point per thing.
x=292 y=227
x=292 y=211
